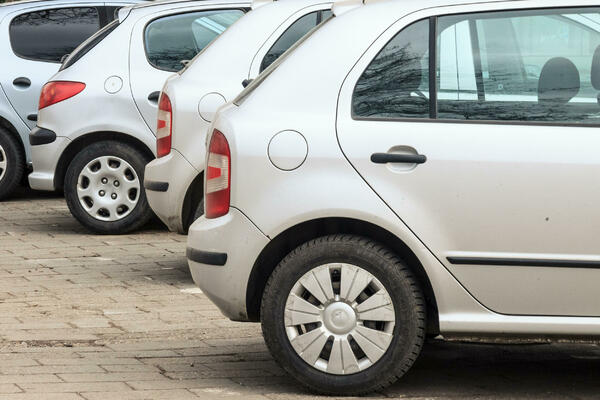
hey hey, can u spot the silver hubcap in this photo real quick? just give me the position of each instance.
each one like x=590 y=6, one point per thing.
x=3 y=162
x=108 y=188
x=339 y=318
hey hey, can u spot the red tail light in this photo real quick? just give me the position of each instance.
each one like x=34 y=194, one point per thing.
x=57 y=91
x=164 y=126
x=217 y=176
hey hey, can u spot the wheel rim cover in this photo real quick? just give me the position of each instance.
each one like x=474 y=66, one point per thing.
x=339 y=318
x=3 y=163
x=108 y=188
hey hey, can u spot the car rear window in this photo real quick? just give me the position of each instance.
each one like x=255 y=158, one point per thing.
x=48 y=35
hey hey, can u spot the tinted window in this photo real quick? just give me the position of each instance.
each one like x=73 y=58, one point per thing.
x=294 y=33
x=396 y=83
x=171 y=40
x=112 y=13
x=524 y=66
x=48 y=35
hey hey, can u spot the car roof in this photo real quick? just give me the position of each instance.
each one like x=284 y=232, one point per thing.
x=160 y=3
x=6 y=8
x=21 y=3
x=408 y=6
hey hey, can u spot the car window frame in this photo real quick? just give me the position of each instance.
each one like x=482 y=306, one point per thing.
x=433 y=90
x=99 y=7
x=244 y=10
x=275 y=34
x=320 y=19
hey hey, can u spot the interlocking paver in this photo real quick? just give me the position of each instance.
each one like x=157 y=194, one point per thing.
x=118 y=317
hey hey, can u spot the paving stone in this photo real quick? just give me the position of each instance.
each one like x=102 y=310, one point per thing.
x=91 y=317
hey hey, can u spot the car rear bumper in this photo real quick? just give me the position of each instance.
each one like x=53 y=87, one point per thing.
x=45 y=159
x=221 y=268
x=167 y=180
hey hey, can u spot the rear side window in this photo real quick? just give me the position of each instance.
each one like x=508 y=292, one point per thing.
x=112 y=13
x=173 y=40
x=294 y=33
x=48 y=35
x=396 y=83
x=525 y=66
x=540 y=66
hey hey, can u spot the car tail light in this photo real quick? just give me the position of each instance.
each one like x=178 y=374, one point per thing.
x=217 y=176
x=164 y=126
x=57 y=91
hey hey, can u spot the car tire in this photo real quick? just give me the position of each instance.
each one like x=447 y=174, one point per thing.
x=404 y=338
x=99 y=167
x=12 y=163
x=199 y=211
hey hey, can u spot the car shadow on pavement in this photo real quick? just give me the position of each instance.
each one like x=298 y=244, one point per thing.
x=458 y=370
x=56 y=217
x=474 y=370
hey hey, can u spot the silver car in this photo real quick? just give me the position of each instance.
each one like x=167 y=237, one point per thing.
x=36 y=35
x=97 y=119
x=174 y=181
x=414 y=168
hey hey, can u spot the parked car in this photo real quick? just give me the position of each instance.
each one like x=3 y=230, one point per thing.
x=412 y=169
x=97 y=120
x=174 y=181
x=36 y=35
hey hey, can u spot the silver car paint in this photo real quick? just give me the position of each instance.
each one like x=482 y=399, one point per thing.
x=121 y=54
x=216 y=73
x=15 y=103
x=273 y=200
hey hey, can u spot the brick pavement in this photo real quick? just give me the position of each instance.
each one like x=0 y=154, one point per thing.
x=118 y=317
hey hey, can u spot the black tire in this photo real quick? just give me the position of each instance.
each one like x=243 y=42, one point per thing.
x=15 y=163
x=199 y=211
x=407 y=298
x=138 y=217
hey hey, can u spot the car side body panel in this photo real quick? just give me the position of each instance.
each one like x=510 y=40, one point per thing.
x=327 y=184
x=213 y=78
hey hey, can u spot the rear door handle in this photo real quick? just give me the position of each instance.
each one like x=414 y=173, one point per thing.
x=154 y=96
x=385 y=158
x=22 y=82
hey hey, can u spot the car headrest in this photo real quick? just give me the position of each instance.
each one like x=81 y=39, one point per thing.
x=596 y=69
x=559 y=81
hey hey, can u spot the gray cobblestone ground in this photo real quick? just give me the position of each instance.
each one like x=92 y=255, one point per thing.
x=118 y=317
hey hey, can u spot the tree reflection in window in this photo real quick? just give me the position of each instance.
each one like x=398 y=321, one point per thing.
x=172 y=40
x=48 y=35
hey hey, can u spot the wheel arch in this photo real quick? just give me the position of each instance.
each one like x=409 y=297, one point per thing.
x=293 y=237
x=89 y=138
x=6 y=124
x=192 y=199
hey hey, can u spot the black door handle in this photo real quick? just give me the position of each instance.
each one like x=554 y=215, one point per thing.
x=22 y=82
x=154 y=96
x=32 y=117
x=384 y=158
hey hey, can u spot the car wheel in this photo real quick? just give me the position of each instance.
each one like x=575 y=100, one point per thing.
x=103 y=188
x=12 y=163
x=343 y=315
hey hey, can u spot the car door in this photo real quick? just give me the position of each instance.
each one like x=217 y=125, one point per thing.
x=489 y=150
x=162 y=44
x=39 y=38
